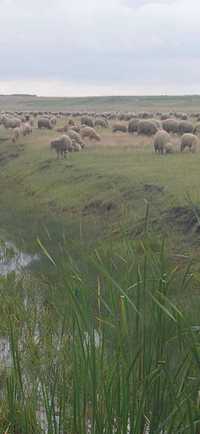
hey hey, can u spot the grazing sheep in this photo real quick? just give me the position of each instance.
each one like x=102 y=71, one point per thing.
x=26 y=129
x=189 y=141
x=147 y=127
x=90 y=133
x=76 y=138
x=16 y=134
x=9 y=122
x=171 y=126
x=103 y=123
x=88 y=121
x=161 y=140
x=117 y=127
x=62 y=145
x=44 y=122
x=185 y=127
x=133 y=125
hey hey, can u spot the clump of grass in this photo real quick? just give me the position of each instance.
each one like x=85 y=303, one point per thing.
x=102 y=350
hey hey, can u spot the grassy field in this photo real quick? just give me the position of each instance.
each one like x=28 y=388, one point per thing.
x=189 y=103
x=104 y=330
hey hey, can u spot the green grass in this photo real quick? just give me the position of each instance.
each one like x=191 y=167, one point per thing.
x=111 y=352
x=98 y=220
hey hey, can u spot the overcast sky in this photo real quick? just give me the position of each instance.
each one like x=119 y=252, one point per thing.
x=100 y=47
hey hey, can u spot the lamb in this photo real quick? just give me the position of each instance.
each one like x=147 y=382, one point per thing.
x=44 y=122
x=189 y=141
x=119 y=127
x=90 y=133
x=147 y=127
x=161 y=141
x=62 y=145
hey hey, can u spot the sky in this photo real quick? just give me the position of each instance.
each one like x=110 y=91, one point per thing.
x=99 y=47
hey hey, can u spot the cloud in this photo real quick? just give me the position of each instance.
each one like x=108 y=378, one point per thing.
x=131 y=44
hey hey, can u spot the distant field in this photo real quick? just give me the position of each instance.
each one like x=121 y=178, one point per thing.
x=125 y=103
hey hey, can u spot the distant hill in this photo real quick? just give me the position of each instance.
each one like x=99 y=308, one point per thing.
x=23 y=102
x=20 y=95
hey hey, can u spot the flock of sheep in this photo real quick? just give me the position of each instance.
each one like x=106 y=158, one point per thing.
x=78 y=127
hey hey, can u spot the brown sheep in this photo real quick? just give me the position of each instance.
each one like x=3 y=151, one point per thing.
x=189 y=141
x=90 y=133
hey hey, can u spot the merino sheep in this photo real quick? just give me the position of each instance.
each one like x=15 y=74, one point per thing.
x=62 y=145
x=147 y=127
x=44 y=122
x=185 y=127
x=133 y=125
x=161 y=140
x=117 y=127
x=189 y=141
x=171 y=126
x=90 y=133
x=88 y=121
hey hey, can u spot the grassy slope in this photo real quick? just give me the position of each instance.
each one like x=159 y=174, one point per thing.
x=125 y=103
x=103 y=188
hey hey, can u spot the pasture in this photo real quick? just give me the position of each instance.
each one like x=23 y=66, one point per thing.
x=102 y=331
